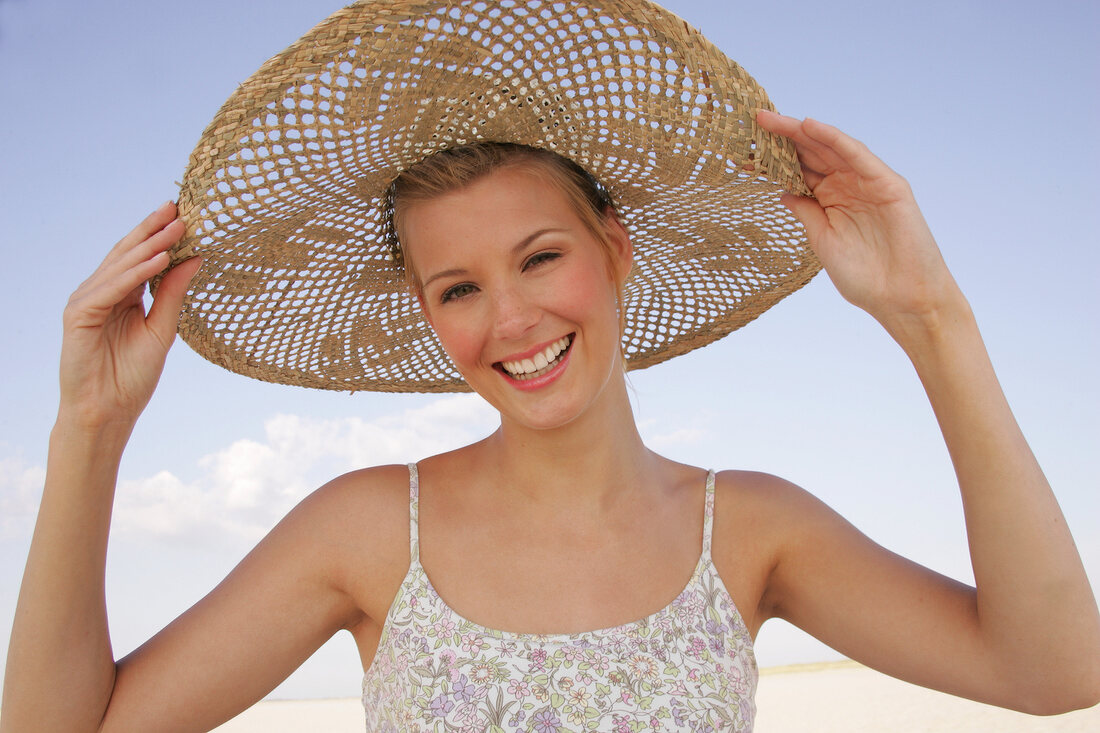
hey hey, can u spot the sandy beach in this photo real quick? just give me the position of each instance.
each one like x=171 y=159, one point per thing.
x=823 y=698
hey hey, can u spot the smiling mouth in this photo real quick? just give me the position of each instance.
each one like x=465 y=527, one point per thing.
x=540 y=363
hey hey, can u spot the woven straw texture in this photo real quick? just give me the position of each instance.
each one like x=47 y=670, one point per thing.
x=283 y=195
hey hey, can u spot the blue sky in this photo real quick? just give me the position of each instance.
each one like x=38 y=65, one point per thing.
x=989 y=109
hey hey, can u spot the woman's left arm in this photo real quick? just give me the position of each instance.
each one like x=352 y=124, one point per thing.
x=1034 y=615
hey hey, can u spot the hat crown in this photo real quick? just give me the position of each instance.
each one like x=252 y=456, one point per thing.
x=284 y=195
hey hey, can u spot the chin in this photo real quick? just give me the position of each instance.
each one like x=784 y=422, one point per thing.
x=552 y=401
x=539 y=417
x=555 y=411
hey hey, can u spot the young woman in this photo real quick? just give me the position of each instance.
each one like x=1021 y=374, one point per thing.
x=557 y=575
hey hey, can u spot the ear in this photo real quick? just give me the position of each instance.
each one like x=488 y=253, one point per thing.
x=622 y=248
x=423 y=306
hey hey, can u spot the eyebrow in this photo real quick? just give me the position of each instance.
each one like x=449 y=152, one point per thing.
x=523 y=243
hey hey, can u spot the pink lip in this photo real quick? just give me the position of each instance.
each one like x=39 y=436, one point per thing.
x=530 y=352
x=534 y=383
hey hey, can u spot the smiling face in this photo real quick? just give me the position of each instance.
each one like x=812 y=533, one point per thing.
x=520 y=291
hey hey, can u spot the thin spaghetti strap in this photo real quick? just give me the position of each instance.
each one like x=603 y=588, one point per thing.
x=414 y=513
x=708 y=514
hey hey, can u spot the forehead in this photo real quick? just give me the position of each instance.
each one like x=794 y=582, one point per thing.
x=501 y=207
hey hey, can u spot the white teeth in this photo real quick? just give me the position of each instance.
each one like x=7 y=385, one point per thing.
x=539 y=363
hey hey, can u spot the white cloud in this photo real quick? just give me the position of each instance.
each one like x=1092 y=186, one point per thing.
x=160 y=504
x=20 y=491
x=242 y=490
x=679 y=436
x=660 y=437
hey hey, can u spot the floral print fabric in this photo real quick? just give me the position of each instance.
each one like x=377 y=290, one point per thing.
x=689 y=666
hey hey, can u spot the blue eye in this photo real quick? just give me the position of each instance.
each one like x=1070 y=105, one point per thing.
x=457 y=291
x=540 y=258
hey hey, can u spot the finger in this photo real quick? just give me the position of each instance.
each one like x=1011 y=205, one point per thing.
x=812 y=153
x=809 y=212
x=845 y=149
x=122 y=263
x=812 y=177
x=164 y=314
x=155 y=243
x=161 y=217
x=777 y=123
x=100 y=294
x=153 y=223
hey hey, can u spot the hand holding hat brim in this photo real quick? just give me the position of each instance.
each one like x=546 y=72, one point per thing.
x=112 y=351
x=865 y=226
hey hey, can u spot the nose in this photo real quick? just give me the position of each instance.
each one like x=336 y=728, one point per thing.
x=513 y=314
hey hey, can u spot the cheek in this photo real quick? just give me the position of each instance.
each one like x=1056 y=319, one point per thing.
x=591 y=293
x=459 y=338
x=456 y=334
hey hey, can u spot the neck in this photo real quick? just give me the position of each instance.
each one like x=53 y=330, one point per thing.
x=588 y=463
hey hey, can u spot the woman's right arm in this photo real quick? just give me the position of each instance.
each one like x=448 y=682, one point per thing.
x=60 y=669
x=333 y=563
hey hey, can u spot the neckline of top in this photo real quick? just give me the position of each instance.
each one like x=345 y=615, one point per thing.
x=578 y=637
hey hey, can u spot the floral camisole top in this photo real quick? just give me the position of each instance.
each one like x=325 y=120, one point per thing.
x=688 y=667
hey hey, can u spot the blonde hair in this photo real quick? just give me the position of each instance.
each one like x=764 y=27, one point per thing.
x=455 y=168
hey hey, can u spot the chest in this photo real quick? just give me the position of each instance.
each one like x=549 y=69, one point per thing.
x=689 y=665
x=560 y=576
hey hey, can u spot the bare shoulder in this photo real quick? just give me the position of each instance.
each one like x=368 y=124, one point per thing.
x=363 y=517
x=759 y=520
x=780 y=515
x=370 y=495
x=351 y=536
x=334 y=562
x=750 y=482
x=764 y=500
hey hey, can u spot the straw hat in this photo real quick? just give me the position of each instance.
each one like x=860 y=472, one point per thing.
x=283 y=195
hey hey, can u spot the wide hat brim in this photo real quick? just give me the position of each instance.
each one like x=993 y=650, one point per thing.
x=283 y=197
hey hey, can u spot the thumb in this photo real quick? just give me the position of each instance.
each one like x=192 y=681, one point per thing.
x=164 y=314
